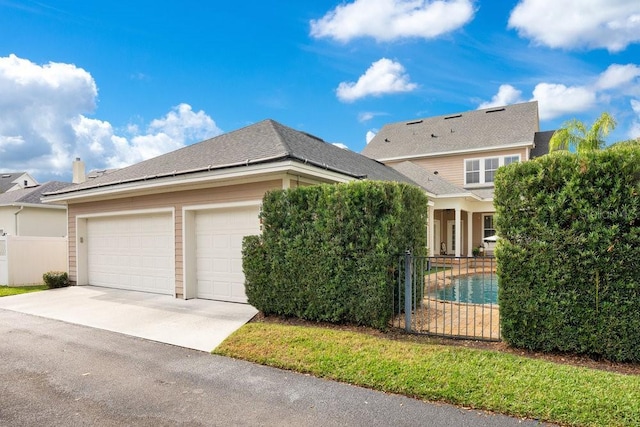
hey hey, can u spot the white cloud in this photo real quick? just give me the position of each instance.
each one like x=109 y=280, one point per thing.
x=634 y=131
x=557 y=99
x=506 y=95
x=568 y=24
x=383 y=77
x=370 y=136
x=387 y=20
x=340 y=145
x=365 y=117
x=618 y=75
x=44 y=123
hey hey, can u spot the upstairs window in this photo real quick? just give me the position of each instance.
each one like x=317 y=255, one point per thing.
x=511 y=159
x=490 y=167
x=483 y=170
x=472 y=171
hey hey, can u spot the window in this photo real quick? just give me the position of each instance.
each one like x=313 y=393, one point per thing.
x=490 y=167
x=483 y=170
x=511 y=159
x=487 y=225
x=472 y=171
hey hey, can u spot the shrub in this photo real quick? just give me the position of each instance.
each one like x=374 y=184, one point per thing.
x=568 y=254
x=330 y=252
x=56 y=279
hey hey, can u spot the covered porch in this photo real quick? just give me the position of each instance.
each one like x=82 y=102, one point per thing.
x=457 y=225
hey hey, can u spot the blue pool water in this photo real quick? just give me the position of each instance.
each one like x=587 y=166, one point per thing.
x=474 y=289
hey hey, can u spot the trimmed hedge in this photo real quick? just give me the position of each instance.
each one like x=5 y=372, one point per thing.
x=56 y=279
x=569 y=254
x=330 y=252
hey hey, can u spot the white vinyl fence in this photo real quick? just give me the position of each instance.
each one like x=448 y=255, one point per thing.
x=23 y=260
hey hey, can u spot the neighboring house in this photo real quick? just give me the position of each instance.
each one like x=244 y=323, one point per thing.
x=32 y=234
x=174 y=224
x=454 y=158
x=23 y=214
x=10 y=181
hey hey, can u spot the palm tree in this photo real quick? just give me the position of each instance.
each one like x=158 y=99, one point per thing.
x=574 y=134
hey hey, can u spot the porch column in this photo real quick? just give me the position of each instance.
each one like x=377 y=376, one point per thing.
x=458 y=232
x=469 y=233
x=431 y=232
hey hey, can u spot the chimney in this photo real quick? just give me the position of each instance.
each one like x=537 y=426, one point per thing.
x=78 y=171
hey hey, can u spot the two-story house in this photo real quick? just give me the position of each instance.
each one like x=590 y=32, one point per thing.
x=454 y=158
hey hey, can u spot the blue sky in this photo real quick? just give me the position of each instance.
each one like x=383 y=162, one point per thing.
x=118 y=82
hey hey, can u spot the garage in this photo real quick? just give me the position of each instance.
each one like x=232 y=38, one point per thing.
x=133 y=252
x=218 y=249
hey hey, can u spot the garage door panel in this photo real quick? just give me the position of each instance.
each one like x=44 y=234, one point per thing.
x=219 y=234
x=133 y=252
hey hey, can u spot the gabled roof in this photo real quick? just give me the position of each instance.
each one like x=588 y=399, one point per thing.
x=541 y=140
x=437 y=186
x=489 y=128
x=31 y=195
x=264 y=142
x=8 y=180
x=429 y=181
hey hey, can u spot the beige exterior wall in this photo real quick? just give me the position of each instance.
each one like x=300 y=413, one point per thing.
x=32 y=221
x=175 y=200
x=451 y=167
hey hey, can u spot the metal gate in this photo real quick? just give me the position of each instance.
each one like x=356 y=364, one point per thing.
x=455 y=297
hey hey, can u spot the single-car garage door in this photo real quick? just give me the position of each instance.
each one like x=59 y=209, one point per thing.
x=219 y=234
x=133 y=252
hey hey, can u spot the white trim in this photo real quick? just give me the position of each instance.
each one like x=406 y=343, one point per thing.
x=453 y=152
x=128 y=212
x=205 y=177
x=33 y=205
x=224 y=205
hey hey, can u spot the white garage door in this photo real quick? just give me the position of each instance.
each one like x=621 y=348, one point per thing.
x=133 y=252
x=219 y=234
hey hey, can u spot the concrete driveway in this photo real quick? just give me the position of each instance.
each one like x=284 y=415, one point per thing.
x=197 y=324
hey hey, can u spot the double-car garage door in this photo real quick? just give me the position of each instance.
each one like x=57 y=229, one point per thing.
x=137 y=252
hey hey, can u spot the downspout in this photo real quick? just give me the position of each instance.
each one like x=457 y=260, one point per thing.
x=16 y=219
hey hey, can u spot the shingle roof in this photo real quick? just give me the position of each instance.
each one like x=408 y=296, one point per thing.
x=541 y=140
x=7 y=178
x=436 y=185
x=487 y=128
x=263 y=142
x=427 y=179
x=31 y=195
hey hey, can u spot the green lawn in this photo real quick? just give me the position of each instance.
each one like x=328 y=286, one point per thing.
x=10 y=290
x=481 y=379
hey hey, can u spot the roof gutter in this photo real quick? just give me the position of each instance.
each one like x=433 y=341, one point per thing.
x=206 y=169
x=461 y=151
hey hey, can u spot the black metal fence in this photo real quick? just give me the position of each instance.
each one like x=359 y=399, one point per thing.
x=446 y=296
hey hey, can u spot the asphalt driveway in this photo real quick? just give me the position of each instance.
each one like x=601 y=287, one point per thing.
x=59 y=374
x=196 y=324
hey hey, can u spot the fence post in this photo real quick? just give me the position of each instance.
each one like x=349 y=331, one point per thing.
x=407 y=291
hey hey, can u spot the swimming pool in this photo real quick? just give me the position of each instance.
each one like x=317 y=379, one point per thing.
x=473 y=289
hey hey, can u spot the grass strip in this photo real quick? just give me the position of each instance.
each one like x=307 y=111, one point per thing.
x=480 y=379
x=6 y=291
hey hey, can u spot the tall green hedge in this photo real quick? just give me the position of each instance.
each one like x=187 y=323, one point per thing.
x=569 y=254
x=329 y=252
